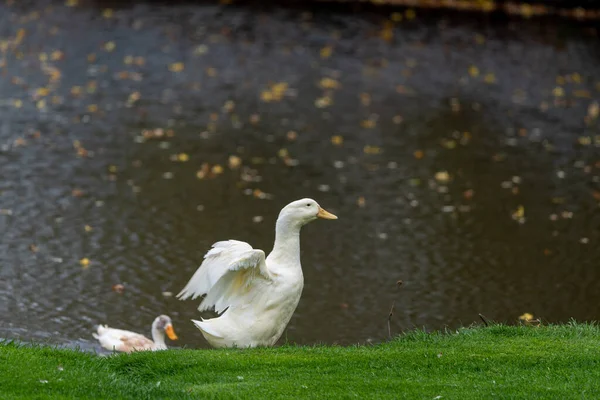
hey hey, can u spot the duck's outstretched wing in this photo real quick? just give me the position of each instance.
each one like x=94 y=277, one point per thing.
x=226 y=273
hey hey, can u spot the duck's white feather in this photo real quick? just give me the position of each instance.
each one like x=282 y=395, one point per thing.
x=227 y=272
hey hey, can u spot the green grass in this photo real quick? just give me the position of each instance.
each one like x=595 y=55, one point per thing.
x=553 y=362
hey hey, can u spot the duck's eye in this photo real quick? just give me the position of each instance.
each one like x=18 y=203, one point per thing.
x=307 y=204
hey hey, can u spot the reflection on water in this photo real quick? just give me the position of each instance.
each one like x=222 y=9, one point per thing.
x=461 y=157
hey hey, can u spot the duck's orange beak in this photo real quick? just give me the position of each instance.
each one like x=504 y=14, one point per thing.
x=325 y=214
x=170 y=332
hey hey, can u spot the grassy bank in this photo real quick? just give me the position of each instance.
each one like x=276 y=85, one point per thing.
x=554 y=362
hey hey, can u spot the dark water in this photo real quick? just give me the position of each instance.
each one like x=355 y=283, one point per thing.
x=446 y=127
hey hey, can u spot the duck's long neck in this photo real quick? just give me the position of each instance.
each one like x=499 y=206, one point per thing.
x=287 y=242
x=158 y=336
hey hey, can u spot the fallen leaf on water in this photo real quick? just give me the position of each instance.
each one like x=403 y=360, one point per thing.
x=368 y=123
x=361 y=202
x=85 y=262
x=118 y=288
x=217 y=169
x=419 y=154
x=410 y=14
x=442 y=176
x=372 y=149
x=337 y=140
x=183 y=157
x=77 y=192
x=519 y=213
x=234 y=162
x=468 y=194
x=489 y=78
x=87 y=228
x=33 y=248
x=473 y=71
x=110 y=46
x=323 y=102
x=329 y=83
x=326 y=52
x=176 y=67
x=558 y=92
x=396 y=17
x=292 y=135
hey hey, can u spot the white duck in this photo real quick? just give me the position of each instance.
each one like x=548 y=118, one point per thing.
x=127 y=341
x=258 y=295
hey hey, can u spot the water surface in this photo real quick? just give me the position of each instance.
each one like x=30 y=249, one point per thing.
x=461 y=156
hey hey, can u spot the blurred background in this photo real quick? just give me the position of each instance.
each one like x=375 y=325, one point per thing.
x=460 y=150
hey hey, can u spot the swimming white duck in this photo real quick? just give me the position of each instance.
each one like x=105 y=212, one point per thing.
x=127 y=341
x=256 y=295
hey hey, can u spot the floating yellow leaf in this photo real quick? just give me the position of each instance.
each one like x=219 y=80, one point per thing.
x=275 y=92
x=217 y=169
x=593 y=110
x=582 y=93
x=323 y=102
x=41 y=92
x=365 y=99
x=87 y=228
x=419 y=154
x=57 y=55
x=234 y=162
x=107 y=13
x=396 y=17
x=110 y=46
x=410 y=14
x=84 y=262
x=326 y=51
x=361 y=202
x=112 y=169
x=133 y=97
x=368 y=123
x=71 y=3
x=371 y=149
x=176 y=67
x=337 y=140
x=473 y=71
x=292 y=135
x=387 y=33
x=490 y=77
x=212 y=72
x=558 y=91
x=183 y=157
x=519 y=213
x=442 y=176
x=329 y=83
x=92 y=108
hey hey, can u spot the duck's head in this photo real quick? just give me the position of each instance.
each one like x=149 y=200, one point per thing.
x=164 y=323
x=301 y=212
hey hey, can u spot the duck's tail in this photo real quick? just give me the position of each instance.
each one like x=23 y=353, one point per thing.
x=207 y=328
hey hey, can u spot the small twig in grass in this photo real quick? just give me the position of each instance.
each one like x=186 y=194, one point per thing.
x=390 y=319
x=389 y=322
x=484 y=319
